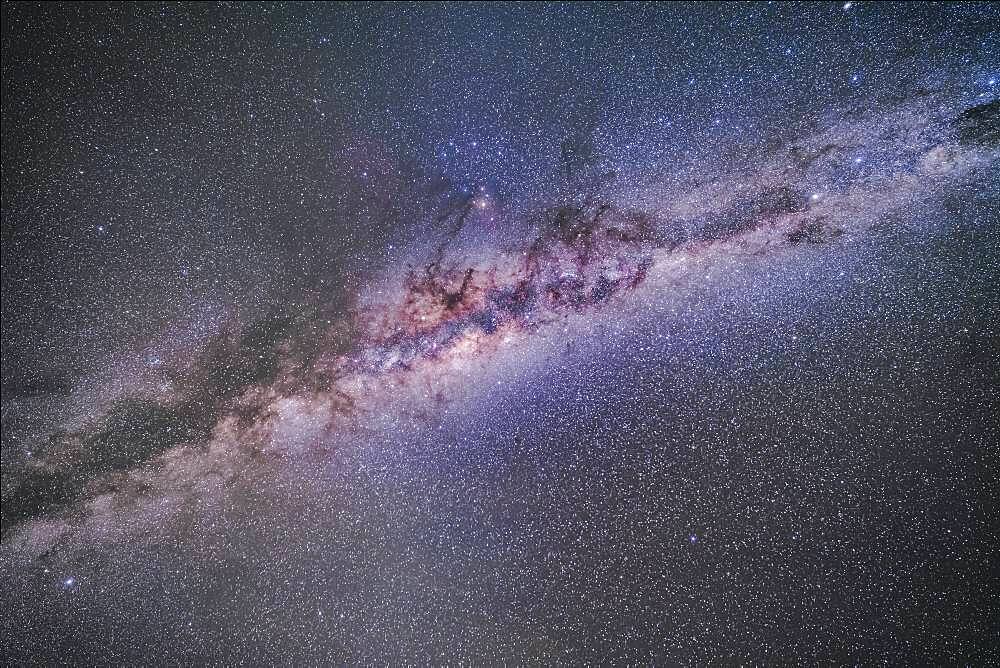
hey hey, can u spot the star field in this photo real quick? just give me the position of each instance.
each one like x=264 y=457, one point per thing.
x=485 y=334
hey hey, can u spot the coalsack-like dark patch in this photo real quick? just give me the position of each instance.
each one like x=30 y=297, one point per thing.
x=813 y=231
x=980 y=124
x=750 y=213
x=137 y=429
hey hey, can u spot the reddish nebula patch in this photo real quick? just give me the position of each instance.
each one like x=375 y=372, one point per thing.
x=581 y=257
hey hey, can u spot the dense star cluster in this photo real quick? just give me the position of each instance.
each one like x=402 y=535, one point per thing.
x=500 y=334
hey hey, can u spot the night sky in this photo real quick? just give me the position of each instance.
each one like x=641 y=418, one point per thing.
x=424 y=334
